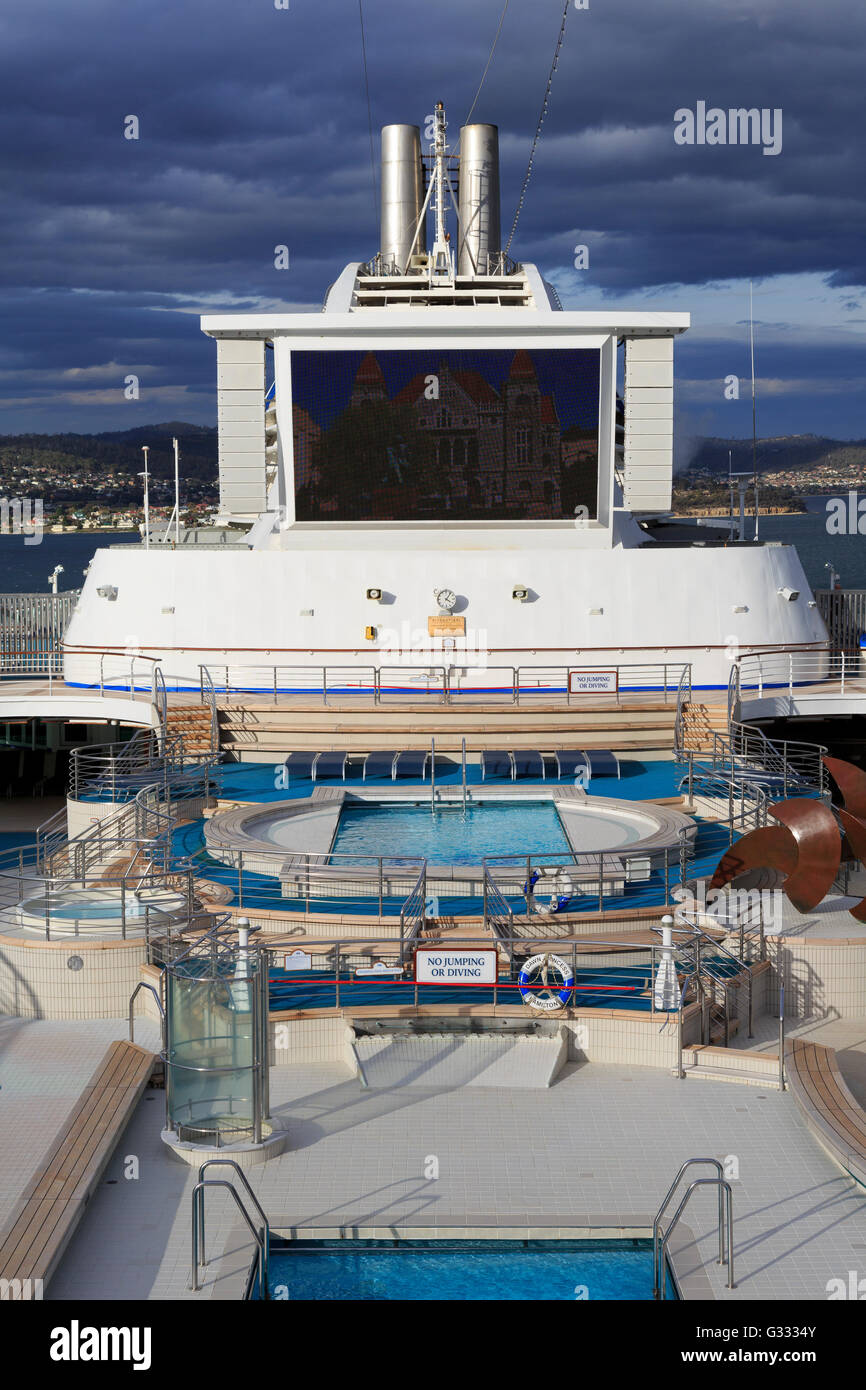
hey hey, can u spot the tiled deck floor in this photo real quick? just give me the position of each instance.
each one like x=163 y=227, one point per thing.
x=44 y=1066
x=599 y=1148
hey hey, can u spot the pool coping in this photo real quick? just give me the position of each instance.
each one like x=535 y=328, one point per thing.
x=692 y=1284
x=225 y=834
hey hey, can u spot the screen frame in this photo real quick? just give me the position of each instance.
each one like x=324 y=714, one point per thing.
x=506 y=338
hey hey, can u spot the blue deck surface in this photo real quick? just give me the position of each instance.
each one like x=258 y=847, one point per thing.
x=265 y=781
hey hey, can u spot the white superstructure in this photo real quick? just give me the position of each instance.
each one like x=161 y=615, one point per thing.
x=344 y=547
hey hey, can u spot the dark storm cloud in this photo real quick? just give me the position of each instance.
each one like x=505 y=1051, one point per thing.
x=254 y=132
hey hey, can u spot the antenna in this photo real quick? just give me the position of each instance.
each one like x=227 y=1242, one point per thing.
x=176 y=492
x=146 y=476
x=754 y=413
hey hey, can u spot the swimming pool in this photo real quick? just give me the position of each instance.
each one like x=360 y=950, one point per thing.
x=462 y=1270
x=451 y=834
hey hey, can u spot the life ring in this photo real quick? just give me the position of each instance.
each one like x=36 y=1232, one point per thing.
x=550 y=997
x=563 y=891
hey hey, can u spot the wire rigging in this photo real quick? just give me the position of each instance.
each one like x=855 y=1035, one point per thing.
x=541 y=117
x=369 y=116
x=489 y=61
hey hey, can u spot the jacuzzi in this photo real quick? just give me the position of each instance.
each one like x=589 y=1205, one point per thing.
x=101 y=911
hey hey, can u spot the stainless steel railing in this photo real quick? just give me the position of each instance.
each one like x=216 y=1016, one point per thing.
x=725 y=1222
x=467 y=678
x=31 y=632
x=261 y=1235
x=337 y=962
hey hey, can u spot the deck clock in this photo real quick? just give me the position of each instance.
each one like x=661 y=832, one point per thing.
x=446 y=599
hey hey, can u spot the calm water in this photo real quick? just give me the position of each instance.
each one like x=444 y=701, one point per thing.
x=490 y=1271
x=24 y=569
x=808 y=532
x=451 y=836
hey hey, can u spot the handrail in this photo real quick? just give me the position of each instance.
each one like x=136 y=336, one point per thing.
x=733 y=691
x=424 y=675
x=143 y=984
x=208 y=698
x=261 y=1237
x=659 y=1243
x=159 y=698
x=226 y=1163
x=497 y=912
x=413 y=910
x=723 y=1187
x=679 y=723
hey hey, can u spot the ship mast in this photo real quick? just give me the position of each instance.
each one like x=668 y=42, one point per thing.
x=441 y=260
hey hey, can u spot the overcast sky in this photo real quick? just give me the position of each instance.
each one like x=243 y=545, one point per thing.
x=254 y=132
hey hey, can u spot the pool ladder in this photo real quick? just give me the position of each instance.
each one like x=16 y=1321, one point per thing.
x=726 y=1222
x=261 y=1234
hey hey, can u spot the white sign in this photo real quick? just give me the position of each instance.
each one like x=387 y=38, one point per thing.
x=592 y=682
x=456 y=967
x=298 y=960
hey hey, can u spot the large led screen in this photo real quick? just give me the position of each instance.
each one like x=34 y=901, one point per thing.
x=445 y=434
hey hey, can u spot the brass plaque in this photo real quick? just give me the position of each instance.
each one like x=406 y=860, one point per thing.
x=446 y=625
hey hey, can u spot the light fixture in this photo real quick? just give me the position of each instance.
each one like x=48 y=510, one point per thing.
x=740 y=608
x=375 y=595
x=520 y=593
x=594 y=612
x=789 y=594
x=108 y=591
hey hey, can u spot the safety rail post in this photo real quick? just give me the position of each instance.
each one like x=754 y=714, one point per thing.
x=324 y=685
x=781 y=1037
x=680 y=1070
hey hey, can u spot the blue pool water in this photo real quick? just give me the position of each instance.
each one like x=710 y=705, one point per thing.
x=461 y=1271
x=451 y=835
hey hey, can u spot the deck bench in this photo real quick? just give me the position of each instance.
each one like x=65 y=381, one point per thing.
x=829 y=1109
x=45 y=1216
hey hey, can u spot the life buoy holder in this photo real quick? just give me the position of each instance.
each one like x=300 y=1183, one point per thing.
x=538 y=990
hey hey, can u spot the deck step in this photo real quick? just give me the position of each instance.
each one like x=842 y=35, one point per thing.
x=438 y=1061
x=741 y=1076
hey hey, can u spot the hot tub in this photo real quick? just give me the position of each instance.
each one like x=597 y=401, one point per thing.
x=101 y=911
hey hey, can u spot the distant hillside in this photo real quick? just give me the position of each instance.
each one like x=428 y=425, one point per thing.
x=794 y=451
x=119 y=451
